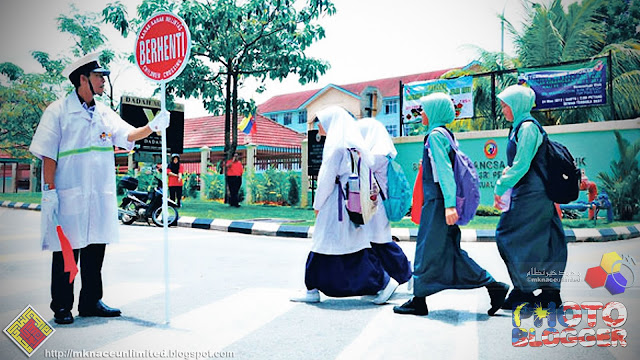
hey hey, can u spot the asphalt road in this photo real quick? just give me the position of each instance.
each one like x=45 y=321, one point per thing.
x=229 y=294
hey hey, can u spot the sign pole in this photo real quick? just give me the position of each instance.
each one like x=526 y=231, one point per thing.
x=162 y=51
x=165 y=210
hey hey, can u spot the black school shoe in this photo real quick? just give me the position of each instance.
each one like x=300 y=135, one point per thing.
x=517 y=297
x=412 y=307
x=497 y=293
x=99 y=309
x=63 y=317
x=548 y=296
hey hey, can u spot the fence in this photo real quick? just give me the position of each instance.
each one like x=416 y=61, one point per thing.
x=486 y=108
x=281 y=158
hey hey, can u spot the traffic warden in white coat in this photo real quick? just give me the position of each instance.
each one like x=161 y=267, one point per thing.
x=75 y=140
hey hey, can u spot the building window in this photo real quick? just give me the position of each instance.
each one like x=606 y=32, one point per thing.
x=392 y=130
x=287 y=118
x=302 y=116
x=391 y=107
x=274 y=117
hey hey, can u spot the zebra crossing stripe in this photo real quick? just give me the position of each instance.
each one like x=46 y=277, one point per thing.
x=373 y=342
x=213 y=326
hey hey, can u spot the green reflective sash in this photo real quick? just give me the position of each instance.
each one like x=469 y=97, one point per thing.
x=85 y=150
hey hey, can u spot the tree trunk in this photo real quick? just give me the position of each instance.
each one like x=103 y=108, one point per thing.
x=227 y=117
x=234 y=114
x=227 y=132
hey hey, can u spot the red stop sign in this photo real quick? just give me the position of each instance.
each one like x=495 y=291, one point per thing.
x=163 y=46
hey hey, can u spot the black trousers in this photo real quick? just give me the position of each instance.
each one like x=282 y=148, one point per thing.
x=234 y=183
x=175 y=194
x=91 y=258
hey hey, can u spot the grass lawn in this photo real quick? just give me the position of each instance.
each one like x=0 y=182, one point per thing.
x=216 y=210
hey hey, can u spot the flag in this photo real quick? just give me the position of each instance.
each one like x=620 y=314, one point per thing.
x=70 y=265
x=248 y=125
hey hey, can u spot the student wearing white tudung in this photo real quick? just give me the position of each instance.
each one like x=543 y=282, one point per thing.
x=75 y=140
x=378 y=229
x=341 y=262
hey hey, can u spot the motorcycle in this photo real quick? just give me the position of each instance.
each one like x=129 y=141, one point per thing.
x=142 y=205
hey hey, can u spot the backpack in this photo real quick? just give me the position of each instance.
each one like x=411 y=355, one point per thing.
x=360 y=193
x=397 y=200
x=466 y=178
x=559 y=174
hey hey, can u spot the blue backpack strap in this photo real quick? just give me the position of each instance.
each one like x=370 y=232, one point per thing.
x=341 y=195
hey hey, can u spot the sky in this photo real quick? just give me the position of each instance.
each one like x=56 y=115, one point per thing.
x=365 y=40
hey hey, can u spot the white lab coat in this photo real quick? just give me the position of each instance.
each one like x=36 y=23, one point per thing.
x=378 y=229
x=85 y=175
x=331 y=236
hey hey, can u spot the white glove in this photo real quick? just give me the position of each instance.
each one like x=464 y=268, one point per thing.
x=49 y=213
x=160 y=121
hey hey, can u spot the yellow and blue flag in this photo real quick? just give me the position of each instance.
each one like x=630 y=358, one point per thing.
x=248 y=125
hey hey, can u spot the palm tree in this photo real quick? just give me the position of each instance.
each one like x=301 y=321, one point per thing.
x=552 y=35
x=623 y=182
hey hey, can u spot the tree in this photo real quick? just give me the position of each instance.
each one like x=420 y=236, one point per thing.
x=622 y=19
x=234 y=40
x=24 y=97
x=552 y=35
x=22 y=102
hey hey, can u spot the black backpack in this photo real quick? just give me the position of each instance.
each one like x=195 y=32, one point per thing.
x=557 y=169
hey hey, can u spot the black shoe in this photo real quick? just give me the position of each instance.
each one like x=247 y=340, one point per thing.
x=63 y=317
x=412 y=307
x=517 y=297
x=497 y=293
x=548 y=296
x=99 y=309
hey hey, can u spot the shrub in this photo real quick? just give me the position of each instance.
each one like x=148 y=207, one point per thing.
x=213 y=184
x=624 y=181
x=484 y=210
x=294 y=192
x=190 y=185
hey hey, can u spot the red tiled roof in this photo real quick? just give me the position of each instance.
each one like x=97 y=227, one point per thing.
x=389 y=87
x=286 y=101
x=209 y=131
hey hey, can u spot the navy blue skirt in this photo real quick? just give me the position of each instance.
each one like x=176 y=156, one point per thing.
x=440 y=262
x=530 y=236
x=393 y=260
x=356 y=274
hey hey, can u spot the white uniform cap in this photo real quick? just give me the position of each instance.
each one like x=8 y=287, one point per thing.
x=88 y=62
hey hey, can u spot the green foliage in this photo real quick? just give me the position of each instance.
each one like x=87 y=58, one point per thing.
x=83 y=30
x=294 y=190
x=622 y=18
x=232 y=41
x=623 y=182
x=587 y=29
x=274 y=186
x=485 y=210
x=190 y=188
x=213 y=184
x=22 y=103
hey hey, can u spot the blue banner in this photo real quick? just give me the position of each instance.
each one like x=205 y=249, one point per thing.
x=578 y=85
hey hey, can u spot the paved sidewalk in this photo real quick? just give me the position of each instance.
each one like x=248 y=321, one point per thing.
x=403 y=234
